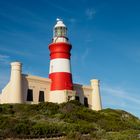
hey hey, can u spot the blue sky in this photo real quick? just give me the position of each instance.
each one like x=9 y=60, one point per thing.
x=105 y=35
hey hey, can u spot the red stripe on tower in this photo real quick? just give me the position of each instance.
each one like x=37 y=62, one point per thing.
x=60 y=68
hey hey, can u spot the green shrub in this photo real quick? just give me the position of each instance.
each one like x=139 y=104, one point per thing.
x=45 y=129
x=48 y=108
x=71 y=119
x=21 y=129
x=6 y=109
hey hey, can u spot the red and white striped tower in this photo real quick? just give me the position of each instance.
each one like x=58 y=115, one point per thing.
x=60 y=69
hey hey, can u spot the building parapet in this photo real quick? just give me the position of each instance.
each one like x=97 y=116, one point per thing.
x=36 y=78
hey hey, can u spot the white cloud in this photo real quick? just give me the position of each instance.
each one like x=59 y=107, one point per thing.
x=4 y=59
x=4 y=78
x=16 y=52
x=120 y=98
x=83 y=57
x=59 y=7
x=121 y=93
x=90 y=13
x=25 y=14
x=85 y=54
x=72 y=20
x=4 y=72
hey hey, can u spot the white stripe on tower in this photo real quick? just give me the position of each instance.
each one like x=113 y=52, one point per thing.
x=60 y=65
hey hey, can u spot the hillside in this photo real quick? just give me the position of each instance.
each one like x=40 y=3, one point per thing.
x=71 y=120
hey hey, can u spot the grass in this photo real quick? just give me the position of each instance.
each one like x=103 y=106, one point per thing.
x=68 y=119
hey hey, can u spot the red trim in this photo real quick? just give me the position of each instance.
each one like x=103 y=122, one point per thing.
x=60 y=50
x=59 y=55
x=61 y=81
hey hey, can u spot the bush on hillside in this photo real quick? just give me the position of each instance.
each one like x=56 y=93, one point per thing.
x=71 y=119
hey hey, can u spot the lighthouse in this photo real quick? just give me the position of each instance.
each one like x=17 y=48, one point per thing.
x=61 y=88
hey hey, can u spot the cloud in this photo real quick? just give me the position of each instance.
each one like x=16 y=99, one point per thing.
x=25 y=17
x=85 y=54
x=120 y=98
x=4 y=70
x=90 y=13
x=89 y=38
x=133 y=53
x=72 y=20
x=4 y=78
x=15 y=52
x=4 y=59
x=59 y=7
x=121 y=93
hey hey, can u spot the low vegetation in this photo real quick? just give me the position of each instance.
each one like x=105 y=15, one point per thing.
x=71 y=120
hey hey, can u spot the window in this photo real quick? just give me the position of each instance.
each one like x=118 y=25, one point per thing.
x=60 y=31
x=30 y=95
x=77 y=98
x=41 y=96
x=86 y=101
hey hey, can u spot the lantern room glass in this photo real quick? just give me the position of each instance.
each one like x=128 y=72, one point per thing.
x=60 y=32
